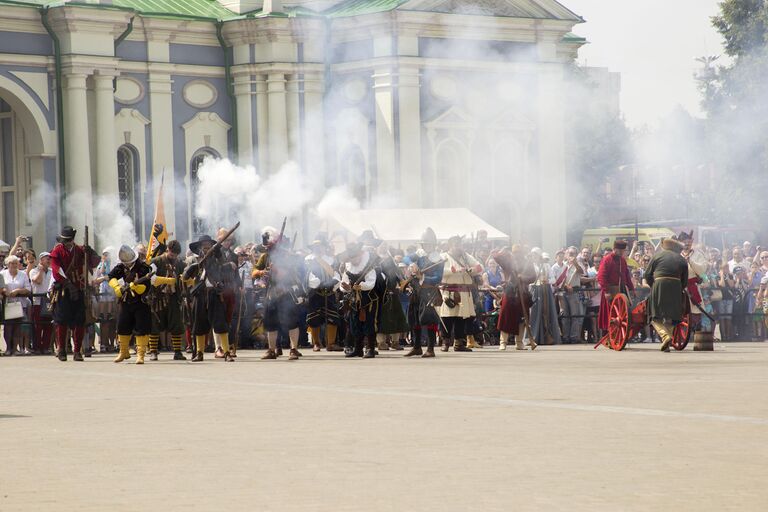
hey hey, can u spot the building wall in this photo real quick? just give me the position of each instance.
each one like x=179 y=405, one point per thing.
x=395 y=104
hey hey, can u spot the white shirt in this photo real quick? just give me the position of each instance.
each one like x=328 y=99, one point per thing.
x=15 y=283
x=314 y=281
x=555 y=272
x=43 y=286
x=370 y=278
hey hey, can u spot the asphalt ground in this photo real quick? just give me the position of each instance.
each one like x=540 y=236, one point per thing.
x=563 y=428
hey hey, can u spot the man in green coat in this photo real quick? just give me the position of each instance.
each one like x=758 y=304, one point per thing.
x=667 y=274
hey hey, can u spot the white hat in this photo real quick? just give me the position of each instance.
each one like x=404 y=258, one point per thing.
x=545 y=255
x=44 y=254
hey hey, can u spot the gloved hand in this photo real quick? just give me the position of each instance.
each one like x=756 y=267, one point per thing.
x=157 y=230
x=138 y=289
x=115 y=285
x=160 y=281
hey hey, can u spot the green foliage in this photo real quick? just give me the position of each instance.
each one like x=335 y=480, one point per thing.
x=735 y=98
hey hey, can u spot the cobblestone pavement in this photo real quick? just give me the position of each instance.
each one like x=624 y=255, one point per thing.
x=566 y=428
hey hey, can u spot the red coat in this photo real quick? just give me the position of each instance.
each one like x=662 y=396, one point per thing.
x=614 y=271
x=62 y=263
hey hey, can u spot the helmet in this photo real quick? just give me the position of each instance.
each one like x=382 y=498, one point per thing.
x=126 y=255
x=429 y=237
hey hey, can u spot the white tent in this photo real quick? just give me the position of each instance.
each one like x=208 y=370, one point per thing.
x=405 y=226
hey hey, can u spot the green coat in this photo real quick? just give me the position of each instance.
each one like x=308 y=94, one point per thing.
x=666 y=300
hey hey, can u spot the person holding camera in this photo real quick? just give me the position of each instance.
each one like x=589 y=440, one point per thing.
x=40 y=277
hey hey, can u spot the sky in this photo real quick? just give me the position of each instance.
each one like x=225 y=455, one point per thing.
x=653 y=44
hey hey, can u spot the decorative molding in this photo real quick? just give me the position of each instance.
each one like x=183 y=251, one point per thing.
x=132 y=113
x=206 y=117
x=129 y=91
x=200 y=93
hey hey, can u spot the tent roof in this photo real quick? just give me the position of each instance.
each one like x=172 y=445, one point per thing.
x=407 y=225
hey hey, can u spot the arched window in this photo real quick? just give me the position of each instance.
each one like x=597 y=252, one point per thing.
x=352 y=173
x=129 y=185
x=198 y=225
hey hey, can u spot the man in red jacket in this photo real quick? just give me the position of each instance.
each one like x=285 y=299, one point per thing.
x=68 y=262
x=614 y=278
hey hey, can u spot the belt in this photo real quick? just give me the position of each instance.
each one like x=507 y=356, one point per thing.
x=457 y=287
x=666 y=278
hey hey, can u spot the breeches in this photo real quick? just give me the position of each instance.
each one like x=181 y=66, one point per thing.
x=134 y=318
x=168 y=319
x=209 y=313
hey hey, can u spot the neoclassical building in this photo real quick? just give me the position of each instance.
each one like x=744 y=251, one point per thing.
x=436 y=102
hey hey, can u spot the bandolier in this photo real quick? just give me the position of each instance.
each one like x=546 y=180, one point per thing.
x=425 y=296
x=359 y=282
x=322 y=305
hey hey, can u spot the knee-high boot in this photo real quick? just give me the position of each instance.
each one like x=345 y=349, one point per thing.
x=141 y=348
x=123 y=341
x=416 y=337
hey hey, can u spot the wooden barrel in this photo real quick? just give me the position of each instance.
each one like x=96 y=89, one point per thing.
x=703 y=341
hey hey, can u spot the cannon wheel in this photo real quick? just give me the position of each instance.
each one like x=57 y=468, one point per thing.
x=682 y=333
x=618 y=328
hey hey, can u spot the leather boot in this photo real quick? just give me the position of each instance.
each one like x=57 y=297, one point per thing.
x=416 y=338
x=358 y=350
x=77 y=356
x=153 y=356
x=471 y=343
x=269 y=354
x=178 y=356
x=429 y=353
x=124 y=353
x=293 y=355
x=503 y=338
x=141 y=348
x=446 y=344
x=461 y=346
x=197 y=357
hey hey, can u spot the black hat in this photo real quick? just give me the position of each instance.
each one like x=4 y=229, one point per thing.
x=620 y=244
x=195 y=246
x=67 y=233
x=353 y=249
x=368 y=238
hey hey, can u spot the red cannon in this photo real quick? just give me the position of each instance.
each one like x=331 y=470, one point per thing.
x=624 y=324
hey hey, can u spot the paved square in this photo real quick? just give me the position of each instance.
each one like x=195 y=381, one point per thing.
x=565 y=428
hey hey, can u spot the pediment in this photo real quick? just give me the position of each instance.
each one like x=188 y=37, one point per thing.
x=453 y=117
x=540 y=9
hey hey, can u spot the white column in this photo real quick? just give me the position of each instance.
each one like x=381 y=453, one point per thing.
x=106 y=151
x=161 y=134
x=79 y=203
x=314 y=134
x=244 y=121
x=278 y=122
x=383 y=85
x=292 y=114
x=262 y=124
x=409 y=140
x=551 y=156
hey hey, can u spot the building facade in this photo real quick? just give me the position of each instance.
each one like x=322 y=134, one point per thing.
x=435 y=102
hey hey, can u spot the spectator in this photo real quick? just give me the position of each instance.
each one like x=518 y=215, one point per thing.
x=726 y=282
x=17 y=290
x=748 y=250
x=493 y=278
x=558 y=267
x=42 y=329
x=738 y=259
x=106 y=302
x=753 y=308
x=4 y=251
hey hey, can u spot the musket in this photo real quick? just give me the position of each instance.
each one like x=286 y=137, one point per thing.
x=211 y=251
x=143 y=280
x=268 y=262
x=421 y=272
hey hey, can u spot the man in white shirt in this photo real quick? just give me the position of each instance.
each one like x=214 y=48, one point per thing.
x=40 y=278
x=322 y=307
x=358 y=281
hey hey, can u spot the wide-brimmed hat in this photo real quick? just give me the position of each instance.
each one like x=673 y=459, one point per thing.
x=368 y=238
x=195 y=246
x=353 y=249
x=67 y=233
x=670 y=244
x=320 y=240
